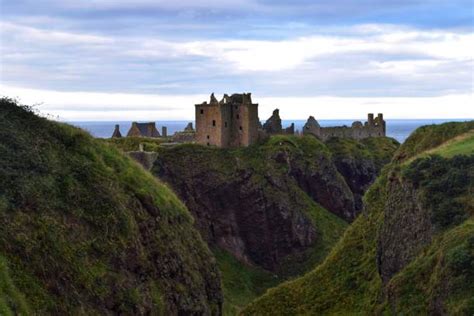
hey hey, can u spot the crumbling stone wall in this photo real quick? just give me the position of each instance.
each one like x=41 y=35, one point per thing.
x=371 y=128
x=273 y=125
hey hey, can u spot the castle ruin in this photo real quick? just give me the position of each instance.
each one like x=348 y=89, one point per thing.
x=140 y=130
x=231 y=122
x=234 y=122
x=371 y=128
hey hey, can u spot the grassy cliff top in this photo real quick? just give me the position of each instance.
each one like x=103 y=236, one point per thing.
x=84 y=230
x=431 y=136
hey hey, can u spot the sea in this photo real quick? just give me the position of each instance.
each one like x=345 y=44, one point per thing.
x=398 y=129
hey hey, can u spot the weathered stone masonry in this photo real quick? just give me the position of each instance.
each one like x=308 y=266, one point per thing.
x=231 y=122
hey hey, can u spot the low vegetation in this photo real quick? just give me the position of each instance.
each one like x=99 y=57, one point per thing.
x=84 y=230
x=241 y=283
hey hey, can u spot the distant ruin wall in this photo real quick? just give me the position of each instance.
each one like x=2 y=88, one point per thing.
x=183 y=137
x=371 y=128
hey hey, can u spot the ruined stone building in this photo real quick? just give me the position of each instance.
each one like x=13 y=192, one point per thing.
x=186 y=136
x=371 y=128
x=117 y=133
x=231 y=122
x=273 y=125
x=141 y=130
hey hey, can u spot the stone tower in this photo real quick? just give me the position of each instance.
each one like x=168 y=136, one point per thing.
x=231 y=122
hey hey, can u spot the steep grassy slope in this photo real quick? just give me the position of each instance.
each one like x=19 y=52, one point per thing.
x=412 y=250
x=84 y=230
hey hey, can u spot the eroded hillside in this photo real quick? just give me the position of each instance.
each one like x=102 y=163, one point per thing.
x=412 y=249
x=280 y=205
x=85 y=230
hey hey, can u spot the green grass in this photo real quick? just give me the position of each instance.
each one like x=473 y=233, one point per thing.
x=12 y=302
x=241 y=283
x=431 y=136
x=462 y=145
x=347 y=281
x=381 y=149
x=85 y=230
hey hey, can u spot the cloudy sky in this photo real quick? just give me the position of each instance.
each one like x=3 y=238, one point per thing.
x=153 y=59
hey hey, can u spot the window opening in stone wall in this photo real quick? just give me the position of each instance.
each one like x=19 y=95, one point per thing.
x=207 y=136
x=202 y=111
x=213 y=122
x=225 y=124
x=240 y=127
x=237 y=116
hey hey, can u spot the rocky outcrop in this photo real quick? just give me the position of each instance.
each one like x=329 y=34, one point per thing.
x=322 y=182
x=406 y=229
x=360 y=162
x=258 y=219
x=146 y=159
x=359 y=175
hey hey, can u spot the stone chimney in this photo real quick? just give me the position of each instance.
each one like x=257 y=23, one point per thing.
x=164 y=131
x=370 y=119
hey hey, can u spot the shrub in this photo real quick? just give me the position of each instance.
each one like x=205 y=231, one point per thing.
x=442 y=181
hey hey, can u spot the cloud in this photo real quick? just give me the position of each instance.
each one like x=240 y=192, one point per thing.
x=39 y=35
x=364 y=60
x=85 y=106
x=289 y=54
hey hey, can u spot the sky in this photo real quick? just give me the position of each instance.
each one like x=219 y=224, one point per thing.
x=155 y=59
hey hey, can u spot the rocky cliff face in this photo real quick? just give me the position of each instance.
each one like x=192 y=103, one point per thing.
x=321 y=180
x=253 y=202
x=360 y=162
x=406 y=229
x=255 y=216
x=359 y=174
